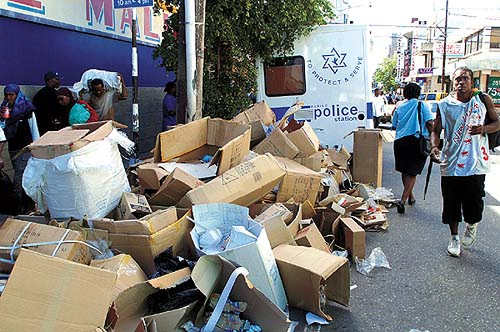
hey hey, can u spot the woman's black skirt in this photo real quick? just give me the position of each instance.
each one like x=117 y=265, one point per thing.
x=408 y=159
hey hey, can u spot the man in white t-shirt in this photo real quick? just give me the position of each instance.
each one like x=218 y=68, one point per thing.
x=465 y=155
x=379 y=101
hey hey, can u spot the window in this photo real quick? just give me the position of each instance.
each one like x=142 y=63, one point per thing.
x=421 y=97
x=480 y=39
x=285 y=76
x=431 y=96
x=473 y=40
x=495 y=38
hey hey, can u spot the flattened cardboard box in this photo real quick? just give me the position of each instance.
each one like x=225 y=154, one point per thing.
x=57 y=143
x=243 y=185
x=128 y=272
x=300 y=183
x=211 y=274
x=51 y=294
x=304 y=270
x=12 y=229
x=175 y=186
x=232 y=139
x=150 y=176
x=132 y=304
x=144 y=248
x=277 y=144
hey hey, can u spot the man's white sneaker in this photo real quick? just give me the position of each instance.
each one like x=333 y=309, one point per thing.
x=454 y=246
x=469 y=235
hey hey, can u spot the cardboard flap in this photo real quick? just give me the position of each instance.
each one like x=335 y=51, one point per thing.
x=278 y=144
x=150 y=175
x=258 y=112
x=299 y=184
x=56 y=143
x=187 y=138
x=51 y=294
x=175 y=186
x=305 y=139
x=98 y=130
x=220 y=132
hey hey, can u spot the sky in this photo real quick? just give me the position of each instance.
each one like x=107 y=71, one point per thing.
x=391 y=16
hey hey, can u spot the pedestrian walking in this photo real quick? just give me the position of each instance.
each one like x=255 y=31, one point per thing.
x=78 y=111
x=169 y=106
x=411 y=119
x=16 y=112
x=464 y=156
x=49 y=114
x=379 y=101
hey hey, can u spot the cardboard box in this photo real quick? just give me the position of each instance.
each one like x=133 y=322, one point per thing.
x=340 y=158
x=299 y=183
x=144 y=248
x=316 y=161
x=273 y=210
x=175 y=186
x=277 y=144
x=310 y=236
x=354 y=237
x=151 y=176
x=254 y=254
x=147 y=225
x=304 y=270
x=132 y=306
x=243 y=185
x=133 y=206
x=292 y=223
x=257 y=116
x=57 y=143
x=51 y=294
x=12 y=229
x=211 y=274
x=128 y=272
x=305 y=139
x=367 y=163
x=230 y=138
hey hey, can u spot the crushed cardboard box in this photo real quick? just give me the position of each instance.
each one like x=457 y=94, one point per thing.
x=243 y=185
x=310 y=236
x=175 y=186
x=211 y=274
x=133 y=206
x=52 y=294
x=231 y=141
x=151 y=176
x=354 y=238
x=305 y=139
x=299 y=184
x=128 y=272
x=258 y=116
x=278 y=144
x=306 y=271
x=23 y=232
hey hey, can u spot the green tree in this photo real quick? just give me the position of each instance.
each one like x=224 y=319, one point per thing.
x=386 y=74
x=237 y=33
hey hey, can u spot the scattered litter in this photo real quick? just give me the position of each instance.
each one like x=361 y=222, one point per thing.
x=354 y=287
x=315 y=319
x=376 y=259
x=340 y=253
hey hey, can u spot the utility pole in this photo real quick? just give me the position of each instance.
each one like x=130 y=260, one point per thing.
x=135 y=83
x=444 y=47
x=200 y=53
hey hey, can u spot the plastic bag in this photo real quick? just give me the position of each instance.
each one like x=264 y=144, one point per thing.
x=376 y=259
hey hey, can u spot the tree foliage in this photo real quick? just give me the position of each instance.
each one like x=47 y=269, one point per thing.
x=237 y=33
x=386 y=74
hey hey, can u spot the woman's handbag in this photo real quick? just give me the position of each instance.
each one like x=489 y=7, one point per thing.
x=424 y=144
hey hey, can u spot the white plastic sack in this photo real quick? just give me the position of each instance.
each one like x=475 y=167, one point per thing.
x=110 y=79
x=88 y=182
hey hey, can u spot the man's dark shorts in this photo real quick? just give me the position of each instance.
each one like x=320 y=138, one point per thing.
x=463 y=194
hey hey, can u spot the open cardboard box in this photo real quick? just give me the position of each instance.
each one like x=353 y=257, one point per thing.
x=243 y=185
x=305 y=270
x=131 y=305
x=57 y=143
x=211 y=274
x=229 y=140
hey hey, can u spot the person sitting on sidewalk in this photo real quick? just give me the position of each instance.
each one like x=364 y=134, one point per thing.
x=464 y=157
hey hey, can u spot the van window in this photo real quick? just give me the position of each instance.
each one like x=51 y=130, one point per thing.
x=285 y=76
x=431 y=96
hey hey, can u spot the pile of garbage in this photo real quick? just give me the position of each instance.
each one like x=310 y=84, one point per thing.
x=221 y=230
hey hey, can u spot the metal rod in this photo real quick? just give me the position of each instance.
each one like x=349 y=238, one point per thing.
x=135 y=82
x=444 y=47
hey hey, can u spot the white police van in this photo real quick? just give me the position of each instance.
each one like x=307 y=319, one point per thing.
x=328 y=72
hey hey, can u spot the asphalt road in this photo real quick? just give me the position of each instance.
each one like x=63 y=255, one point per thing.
x=427 y=289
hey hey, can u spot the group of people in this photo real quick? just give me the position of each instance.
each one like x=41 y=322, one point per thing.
x=53 y=108
x=466 y=116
